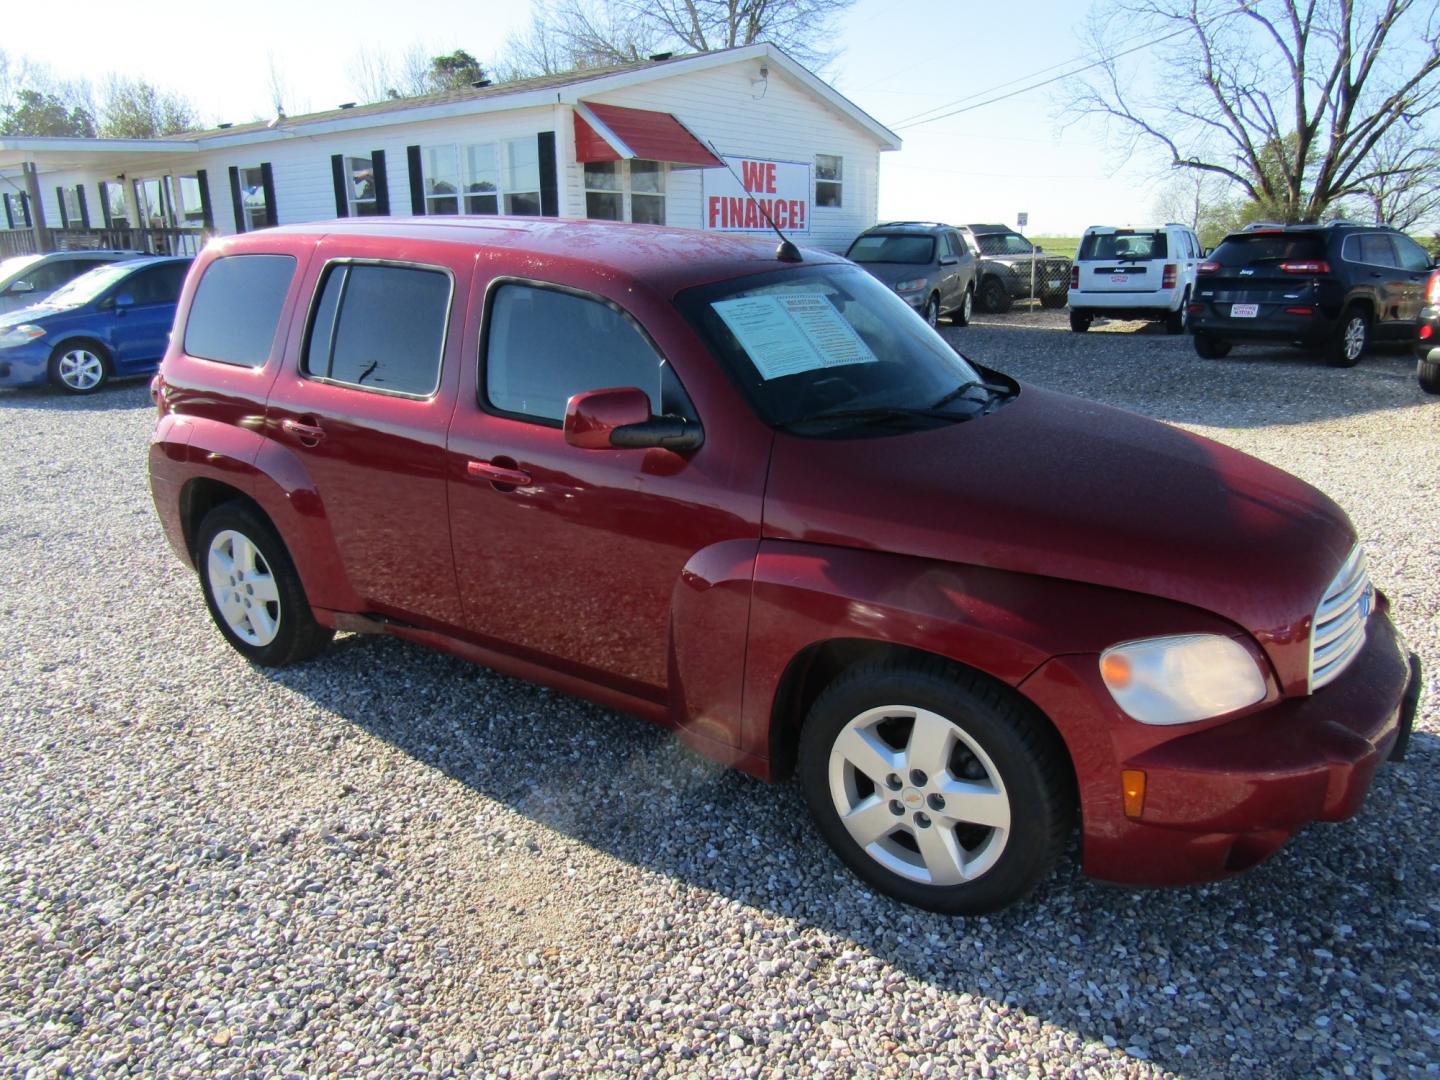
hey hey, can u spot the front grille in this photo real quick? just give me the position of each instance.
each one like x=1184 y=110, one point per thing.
x=1338 y=630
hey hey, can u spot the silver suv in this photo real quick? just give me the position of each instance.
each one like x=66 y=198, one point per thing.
x=928 y=264
x=28 y=279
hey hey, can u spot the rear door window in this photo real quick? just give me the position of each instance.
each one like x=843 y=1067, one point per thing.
x=544 y=345
x=236 y=308
x=1373 y=249
x=380 y=327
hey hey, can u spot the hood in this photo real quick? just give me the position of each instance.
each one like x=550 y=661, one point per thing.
x=1058 y=486
x=33 y=313
x=890 y=273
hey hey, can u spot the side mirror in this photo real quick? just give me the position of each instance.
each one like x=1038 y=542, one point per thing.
x=1039 y=250
x=619 y=418
x=18 y=287
x=949 y=260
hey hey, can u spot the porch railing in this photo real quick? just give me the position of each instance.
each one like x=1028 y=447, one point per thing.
x=150 y=241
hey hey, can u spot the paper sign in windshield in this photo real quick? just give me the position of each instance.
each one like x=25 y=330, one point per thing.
x=791 y=333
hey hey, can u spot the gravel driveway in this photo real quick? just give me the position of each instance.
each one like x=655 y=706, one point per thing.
x=387 y=861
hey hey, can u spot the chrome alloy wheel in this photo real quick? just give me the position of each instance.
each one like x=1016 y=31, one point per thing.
x=80 y=369
x=967 y=306
x=243 y=587
x=1354 y=341
x=919 y=795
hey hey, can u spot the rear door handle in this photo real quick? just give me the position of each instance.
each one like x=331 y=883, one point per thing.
x=497 y=474
x=309 y=434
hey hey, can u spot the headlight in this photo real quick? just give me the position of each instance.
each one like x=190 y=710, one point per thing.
x=1177 y=680
x=20 y=335
x=913 y=285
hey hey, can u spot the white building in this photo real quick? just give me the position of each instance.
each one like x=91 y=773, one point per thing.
x=634 y=142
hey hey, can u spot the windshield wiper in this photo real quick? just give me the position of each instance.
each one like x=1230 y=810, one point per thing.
x=991 y=393
x=877 y=414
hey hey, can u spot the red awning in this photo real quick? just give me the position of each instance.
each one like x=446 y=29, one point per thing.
x=636 y=133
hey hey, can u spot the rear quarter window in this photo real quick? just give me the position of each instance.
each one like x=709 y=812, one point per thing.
x=236 y=308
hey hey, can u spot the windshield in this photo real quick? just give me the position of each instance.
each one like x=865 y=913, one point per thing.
x=87 y=286
x=827 y=339
x=1004 y=244
x=892 y=248
x=1123 y=244
x=12 y=267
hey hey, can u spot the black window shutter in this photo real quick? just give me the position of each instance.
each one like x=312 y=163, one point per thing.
x=207 y=208
x=237 y=199
x=9 y=213
x=337 y=169
x=417 y=181
x=382 y=182
x=105 y=215
x=549 y=189
x=267 y=182
x=25 y=207
x=84 y=207
x=60 y=198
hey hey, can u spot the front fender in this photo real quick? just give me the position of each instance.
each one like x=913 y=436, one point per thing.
x=1003 y=624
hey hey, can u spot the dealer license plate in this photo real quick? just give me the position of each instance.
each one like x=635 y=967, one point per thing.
x=1244 y=311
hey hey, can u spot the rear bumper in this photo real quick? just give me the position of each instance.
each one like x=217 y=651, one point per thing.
x=1310 y=329
x=1222 y=799
x=1150 y=304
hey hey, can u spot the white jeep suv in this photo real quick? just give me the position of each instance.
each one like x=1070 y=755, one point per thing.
x=1140 y=272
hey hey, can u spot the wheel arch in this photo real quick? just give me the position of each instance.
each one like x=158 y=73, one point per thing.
x=198 y=497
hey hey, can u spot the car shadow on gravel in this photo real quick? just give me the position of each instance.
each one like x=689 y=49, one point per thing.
x=1285 y=968
x=126 y=394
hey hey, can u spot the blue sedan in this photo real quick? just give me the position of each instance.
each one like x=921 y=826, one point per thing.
x=111 y=322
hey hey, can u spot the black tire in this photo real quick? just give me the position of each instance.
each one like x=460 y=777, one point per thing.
x=1054 y=300
x=80 y=366
x=961 y=315
x=1350 y=340
x=931 y=313
x=296 y=634
x=1031 y=779
x=1211 y=347
x=993 y=296
x=1427 y=373
x=1080 y=321
x=1178 y=321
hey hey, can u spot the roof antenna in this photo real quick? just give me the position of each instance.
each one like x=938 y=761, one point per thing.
x=786 y=252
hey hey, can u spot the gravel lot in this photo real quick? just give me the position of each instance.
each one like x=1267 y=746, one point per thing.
x=386 y=861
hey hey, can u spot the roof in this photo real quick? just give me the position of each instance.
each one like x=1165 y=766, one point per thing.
x=541 y=91
x=661 y=258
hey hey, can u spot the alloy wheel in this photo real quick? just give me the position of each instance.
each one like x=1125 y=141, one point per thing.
x=244 y=588
x=80 y=370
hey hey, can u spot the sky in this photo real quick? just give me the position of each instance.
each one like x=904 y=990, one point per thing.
x=897 y=60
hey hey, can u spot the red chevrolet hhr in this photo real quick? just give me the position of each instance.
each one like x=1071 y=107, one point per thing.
x=756 y=499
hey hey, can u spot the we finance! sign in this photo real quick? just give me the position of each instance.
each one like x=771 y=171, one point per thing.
x=782 y=188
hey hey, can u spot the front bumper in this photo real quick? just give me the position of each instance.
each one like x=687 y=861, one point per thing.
x=25 y=365
x=1221 y=799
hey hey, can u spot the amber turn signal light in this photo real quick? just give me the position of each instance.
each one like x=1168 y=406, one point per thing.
x=1115 y=670
x=1132 y=782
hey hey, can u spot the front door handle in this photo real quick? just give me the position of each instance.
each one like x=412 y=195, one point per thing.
x=309 y=434
x=497 y=474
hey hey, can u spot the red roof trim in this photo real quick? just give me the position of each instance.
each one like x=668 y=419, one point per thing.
x=653 y=136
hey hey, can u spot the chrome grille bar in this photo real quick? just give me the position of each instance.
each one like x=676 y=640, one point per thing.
x=1337 y=633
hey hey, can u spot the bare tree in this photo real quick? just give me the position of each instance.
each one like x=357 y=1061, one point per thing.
x=567 y=35
x=1404 y=192
x=1204 y=201
x=376 y=75
x=1291 y=100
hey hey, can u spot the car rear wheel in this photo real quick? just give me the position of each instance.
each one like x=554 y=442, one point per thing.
x=1178 y=321
x=961 y=315
x=931 y=314
x=1054 y=300
x=253 y=590
x=936 y=786
x=1348 y=345
x=994 y=297
x=1211 y=347
x=80 y=367
x=1427 y=372
x=1080 y=321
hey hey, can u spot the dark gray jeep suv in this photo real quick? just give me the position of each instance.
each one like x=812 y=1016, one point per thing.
x=927 y=263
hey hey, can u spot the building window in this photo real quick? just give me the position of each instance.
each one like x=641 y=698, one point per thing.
x=150 y=203
x=829 y=179
x=113 y=196
x=361 y=191
x=189 y=206
x=482 y=180
x=252 y=198
x=611 y=185
x=521 y=176
x=442 y=180
x=70 y=207
x=470 y=175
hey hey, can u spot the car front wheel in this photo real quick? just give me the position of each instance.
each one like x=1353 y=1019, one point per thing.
x=1348 y=345
x=253 y=590
x=1428 y=374
x=80 y=367
x=931 y=314
x=935 y=786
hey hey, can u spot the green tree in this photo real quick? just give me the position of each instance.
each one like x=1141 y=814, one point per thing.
x=136 y=109
x=454 y=70
x=45 y=114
